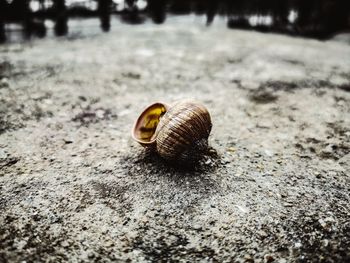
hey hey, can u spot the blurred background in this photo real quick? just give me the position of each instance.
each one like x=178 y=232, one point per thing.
x=76 y=74
x=25 y=19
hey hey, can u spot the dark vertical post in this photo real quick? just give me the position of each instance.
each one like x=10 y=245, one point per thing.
x=3 y=9
x=279 y=11
x=157 y=10
x=212 y=8
x=104 y=12
x=336 y=15
x=28 y=25
x=19 y=10
x=61 y=27
x=305 y=10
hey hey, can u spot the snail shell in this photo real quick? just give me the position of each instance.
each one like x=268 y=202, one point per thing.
x=178 y=132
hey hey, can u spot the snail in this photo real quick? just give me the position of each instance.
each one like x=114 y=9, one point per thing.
x=178 y=132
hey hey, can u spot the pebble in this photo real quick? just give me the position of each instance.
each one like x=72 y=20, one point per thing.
x=109 y=243
x=144 y=220
x=100 y=114
x=3 y=154
x=262 y=233
x=91 y=255
x=4 y=83
x=197 y=227
x=268 y=258
x=225 y=160
x=64 y=243
x=298 y=245
x=68 y=140
x=248 y=257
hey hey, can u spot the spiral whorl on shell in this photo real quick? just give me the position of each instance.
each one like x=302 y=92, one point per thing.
x=179 y=132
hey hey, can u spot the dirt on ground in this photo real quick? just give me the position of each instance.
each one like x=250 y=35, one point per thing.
x=274 y=186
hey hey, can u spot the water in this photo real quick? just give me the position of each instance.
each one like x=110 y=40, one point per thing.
x=83 y=18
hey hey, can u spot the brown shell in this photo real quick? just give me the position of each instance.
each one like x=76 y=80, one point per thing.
x=183 y=131
x=178 y=132
x=146 y=124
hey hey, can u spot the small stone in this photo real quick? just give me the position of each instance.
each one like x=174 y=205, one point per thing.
x=220 y=235
x=268 y=258
x=224 y=226
x=298 y=245
x=68 y=141
x=82 y=98
x=224 y=161
x=109 y=243
x=64 y=243
x=248 y=257
x=262 y=233
x=284 y=195
x=172 y=221
x=208 y=161
x=144 y=220
x=100 y=113
x=3 y=154
x=197 y=227
x=4 y=83
x=322 y=223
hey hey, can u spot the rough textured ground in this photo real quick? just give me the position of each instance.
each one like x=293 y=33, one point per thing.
x=274 y=188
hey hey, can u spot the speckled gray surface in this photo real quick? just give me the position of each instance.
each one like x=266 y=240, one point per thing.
x=274 y=187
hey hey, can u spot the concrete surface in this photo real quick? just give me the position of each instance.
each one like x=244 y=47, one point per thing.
x=273 y=188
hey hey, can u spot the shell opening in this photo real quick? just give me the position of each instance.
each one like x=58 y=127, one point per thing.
x=146 y=125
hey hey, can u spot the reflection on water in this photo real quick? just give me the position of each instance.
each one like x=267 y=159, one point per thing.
x=23 y=19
